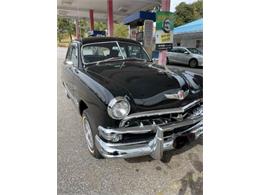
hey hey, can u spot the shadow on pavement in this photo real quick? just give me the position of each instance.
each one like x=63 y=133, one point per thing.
x=196 y=185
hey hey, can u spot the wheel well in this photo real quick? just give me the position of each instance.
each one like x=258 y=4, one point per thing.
x=82 y=107
x=193 y=59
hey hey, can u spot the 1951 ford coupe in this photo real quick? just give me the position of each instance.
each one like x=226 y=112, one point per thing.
x=130 y=106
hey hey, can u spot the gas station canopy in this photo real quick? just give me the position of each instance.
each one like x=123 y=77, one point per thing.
x=137 y=18
x=121 y=8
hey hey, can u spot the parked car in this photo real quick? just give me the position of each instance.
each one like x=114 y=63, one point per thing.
x=129 y=106
x=187 y=56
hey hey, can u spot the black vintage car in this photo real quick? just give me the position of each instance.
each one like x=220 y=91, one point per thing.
x=130 y=106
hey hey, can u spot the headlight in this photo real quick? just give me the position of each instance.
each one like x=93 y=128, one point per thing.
x=118 y=108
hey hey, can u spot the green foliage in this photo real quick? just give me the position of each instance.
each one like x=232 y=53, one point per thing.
x=188 y=12
x=120 y=30
x=84 y=27
x=100 y=26
x=65 y=27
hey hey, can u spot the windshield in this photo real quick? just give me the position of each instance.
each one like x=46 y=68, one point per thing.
x=194 y=50
x=106 y=51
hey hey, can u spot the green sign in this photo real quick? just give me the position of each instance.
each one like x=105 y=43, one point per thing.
x=164 y=30
x=164 y=21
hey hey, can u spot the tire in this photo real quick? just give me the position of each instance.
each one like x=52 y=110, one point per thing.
x=193 y=63
x=90 y=131
x=167 y=61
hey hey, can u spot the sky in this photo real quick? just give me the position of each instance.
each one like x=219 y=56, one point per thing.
x=174 y=3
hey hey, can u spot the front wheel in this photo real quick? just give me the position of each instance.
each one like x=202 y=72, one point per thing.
x=90 y=131
x=167 y=61
x=193 y=63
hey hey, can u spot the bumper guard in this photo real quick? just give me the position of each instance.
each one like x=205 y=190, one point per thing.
x=154 y=147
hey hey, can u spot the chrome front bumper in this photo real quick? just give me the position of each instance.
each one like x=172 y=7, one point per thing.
x=154 y=147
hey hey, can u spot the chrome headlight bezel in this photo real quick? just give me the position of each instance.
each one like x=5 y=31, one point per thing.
x=112 y=104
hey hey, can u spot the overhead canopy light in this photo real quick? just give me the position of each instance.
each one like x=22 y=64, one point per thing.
x=67 y=2
x=122 y=10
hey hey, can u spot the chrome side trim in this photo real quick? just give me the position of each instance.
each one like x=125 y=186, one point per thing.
x=74 y=100
x=158 y=112
x=178 y=96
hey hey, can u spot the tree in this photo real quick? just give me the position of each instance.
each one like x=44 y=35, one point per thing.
x=101 y=26
x=121 y=30
x=84 y=27
x=197 y=9
x=65 y=25
x=188 y=12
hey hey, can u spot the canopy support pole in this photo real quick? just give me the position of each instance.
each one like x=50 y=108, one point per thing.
x=163 y=53
x=77 y=29
x=110 y=18
x=91 y=18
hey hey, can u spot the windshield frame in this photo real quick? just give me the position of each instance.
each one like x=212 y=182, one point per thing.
x=120 y=50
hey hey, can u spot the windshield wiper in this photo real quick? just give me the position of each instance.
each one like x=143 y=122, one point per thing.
x=111 y=59
x=108 y=59
x=100 y=61
x=135 y=58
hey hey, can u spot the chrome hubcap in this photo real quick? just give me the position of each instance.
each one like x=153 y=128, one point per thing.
x=88 y=134
x=193 y=63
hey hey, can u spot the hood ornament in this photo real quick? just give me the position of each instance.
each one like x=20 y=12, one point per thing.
x=180 y=95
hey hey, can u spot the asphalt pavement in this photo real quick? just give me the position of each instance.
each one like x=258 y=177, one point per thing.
x=180 y=172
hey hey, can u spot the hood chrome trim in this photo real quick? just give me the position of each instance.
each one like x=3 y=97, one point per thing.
x=180 y=95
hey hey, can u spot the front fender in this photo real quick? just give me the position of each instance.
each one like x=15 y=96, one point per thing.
x=96 y=97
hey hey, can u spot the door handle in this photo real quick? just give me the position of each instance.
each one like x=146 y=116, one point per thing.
x=75 y=70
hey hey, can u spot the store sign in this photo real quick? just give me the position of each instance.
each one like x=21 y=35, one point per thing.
x=164 y=30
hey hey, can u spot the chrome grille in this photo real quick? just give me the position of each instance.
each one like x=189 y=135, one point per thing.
x=158 y=119
x=159 y=113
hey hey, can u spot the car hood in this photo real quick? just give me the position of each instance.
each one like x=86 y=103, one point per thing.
x=145 y=84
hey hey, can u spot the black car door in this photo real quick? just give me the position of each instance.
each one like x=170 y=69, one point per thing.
x=70 y=69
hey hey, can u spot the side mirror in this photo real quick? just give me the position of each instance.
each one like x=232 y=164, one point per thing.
x=68 y=62
x=155 y=61
x=186 y=52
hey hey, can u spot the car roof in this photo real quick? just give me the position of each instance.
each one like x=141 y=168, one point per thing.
x=104 y=39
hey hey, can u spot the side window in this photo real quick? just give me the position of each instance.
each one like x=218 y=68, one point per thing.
x=74 y=55
x=181 y=50
x=174 y=50
x=68 y=56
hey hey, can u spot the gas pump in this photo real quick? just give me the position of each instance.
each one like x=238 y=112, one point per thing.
x=141 y=28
